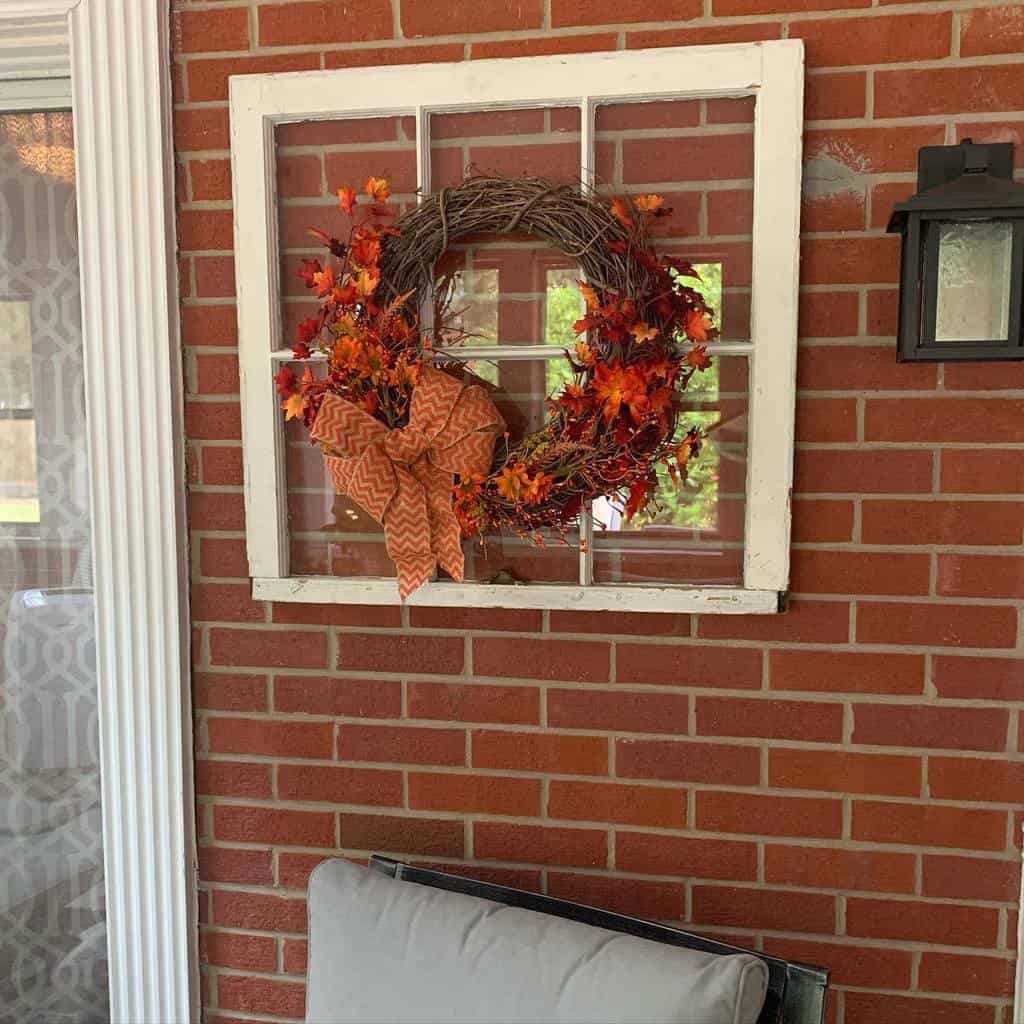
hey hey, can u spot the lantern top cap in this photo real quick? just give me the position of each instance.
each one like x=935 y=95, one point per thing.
x=966 y=178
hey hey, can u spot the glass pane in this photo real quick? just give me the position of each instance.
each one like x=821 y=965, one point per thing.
x=698 y=155
x=53 y=957
x=315 y=159
x=694 y=533
x=973 y=300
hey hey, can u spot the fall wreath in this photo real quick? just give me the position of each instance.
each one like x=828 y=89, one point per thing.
x=399 y=429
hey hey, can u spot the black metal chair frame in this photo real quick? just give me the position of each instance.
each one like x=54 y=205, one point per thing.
x=796 y=991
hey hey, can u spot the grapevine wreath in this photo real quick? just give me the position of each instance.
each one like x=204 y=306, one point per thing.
x=429 y=456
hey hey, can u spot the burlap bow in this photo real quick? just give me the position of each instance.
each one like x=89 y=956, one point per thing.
x=404 y=477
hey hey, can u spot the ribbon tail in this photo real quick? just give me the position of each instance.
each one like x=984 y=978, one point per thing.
x=407 y=533
x=445 y=536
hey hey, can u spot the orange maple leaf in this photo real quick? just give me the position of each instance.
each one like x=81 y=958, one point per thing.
x=585 y=354
x=366 y=283
x=589 y=293
x=697 y=324
x=538 y=488
x=698 y=357
x=621 y=211
x=617 y=387
x=377 y=189
x=293 y=406
x=323 y=282
x=649 y=204
x=643 y=331
x=513 y=482
x=347 y=199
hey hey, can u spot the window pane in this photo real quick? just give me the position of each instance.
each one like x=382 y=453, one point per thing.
x=19 y=482
x=694 y=532
x=973 y=300
x=698 y=155
x=315 y=159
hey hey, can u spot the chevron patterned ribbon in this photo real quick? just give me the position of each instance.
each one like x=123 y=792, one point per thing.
x=404 y=477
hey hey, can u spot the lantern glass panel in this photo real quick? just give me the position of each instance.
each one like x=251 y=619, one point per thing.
x=974 y=277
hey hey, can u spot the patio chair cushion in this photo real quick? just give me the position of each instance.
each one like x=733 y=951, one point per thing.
x=390 y=951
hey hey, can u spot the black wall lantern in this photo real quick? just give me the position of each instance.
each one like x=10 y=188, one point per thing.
x=962 y=265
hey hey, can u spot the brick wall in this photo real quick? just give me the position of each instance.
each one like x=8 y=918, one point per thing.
x=837 y=784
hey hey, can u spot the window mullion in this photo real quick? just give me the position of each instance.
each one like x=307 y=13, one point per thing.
x=588 y=110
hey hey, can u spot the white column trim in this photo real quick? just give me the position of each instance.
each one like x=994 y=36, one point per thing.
x=120 y=74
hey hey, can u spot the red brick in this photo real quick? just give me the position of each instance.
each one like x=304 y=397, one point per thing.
x=519 y=620
x=816 y=867
x=921 y=922
x=367 y=616
x=821 y=521
x=846 y=671
x=423 y=18
x=967 y=975
x=541 y=45
x=348 y=57
x=859 y=572
x=276 y=826
x=339 y=21
x=835 y=42
x=537 y=844
x=226 y=28
x=873 y=1007
x=852 y=260
x=423 y=836
x=475 y=794
x=934 y=727
x=299 y=175
x=872 y=150
x=224 y=602
x=815 y=722
x=540 y=752
x=985 y=471
x=620 y=623
x=942 y=625
x=842 y=771
x=378 y=652
x=213 y=421
x=944 y=419
x=259 y=911
x=243 y=952
x=970 y=878
x=655 y=806
x=261 y=995
x=829 y=97
x=731 y=668
x=221 y=556
x=685 y=856
x=571 y=660
x=211 y=179
x=222 y=691
x=826 y=419
x=883 y=304
x=353 y=698
x=976 y=779
x=883 y=198
x=979 y=678
x=209 y=325
x=942 y=522
x=984 y=377
x=859 y=368
x=570 y=13
x=824 y=315
x=668 y=159
x=618 y=711
x=812 y=621
x=233 y=778
x=202 y=128
x=929 y=824
x=681 y=761
x=917 y=91
x=991 y=30
x=769 y=815
x=295 y=956
x=205 y=229
x=728 y=907
x=980 y=576
x=868 y=966
x=225 y=864
x=636 y=897
x=269 y=738
x=459 y=702
x=401 y=744
x=294 y=869
x=709 y=34
x=215 y=277
x=840 y=211
x=208 y=78
x=222 y=466
x=339 y=785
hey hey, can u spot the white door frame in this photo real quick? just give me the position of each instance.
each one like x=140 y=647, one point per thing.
x=117 y=55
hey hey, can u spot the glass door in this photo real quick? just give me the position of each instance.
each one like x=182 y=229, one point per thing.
x=53 y=941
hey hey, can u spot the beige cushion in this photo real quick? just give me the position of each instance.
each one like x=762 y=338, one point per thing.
x=383 y=950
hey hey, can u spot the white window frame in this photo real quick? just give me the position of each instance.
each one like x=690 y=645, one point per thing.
x=770 y=71
x=108 y=61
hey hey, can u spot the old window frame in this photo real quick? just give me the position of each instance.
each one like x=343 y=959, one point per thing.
x=770 y=71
